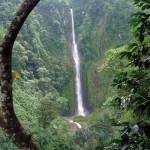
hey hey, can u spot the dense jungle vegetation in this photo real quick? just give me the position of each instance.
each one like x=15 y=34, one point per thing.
x=113 y=38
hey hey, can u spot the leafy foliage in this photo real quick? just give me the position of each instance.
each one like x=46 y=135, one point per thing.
x=133 y=82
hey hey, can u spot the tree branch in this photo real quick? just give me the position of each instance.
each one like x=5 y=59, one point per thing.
x=8 y=120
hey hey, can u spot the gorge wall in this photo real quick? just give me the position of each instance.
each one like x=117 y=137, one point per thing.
x=99 y=27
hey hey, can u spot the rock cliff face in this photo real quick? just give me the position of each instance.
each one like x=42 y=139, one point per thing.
x=99 y=27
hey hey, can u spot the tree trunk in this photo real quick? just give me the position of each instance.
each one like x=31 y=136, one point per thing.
x=8 y=120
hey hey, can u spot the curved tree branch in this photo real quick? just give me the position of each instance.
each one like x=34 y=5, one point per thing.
x=8 y=120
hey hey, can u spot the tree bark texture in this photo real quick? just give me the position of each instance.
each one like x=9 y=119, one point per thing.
x=8 y=120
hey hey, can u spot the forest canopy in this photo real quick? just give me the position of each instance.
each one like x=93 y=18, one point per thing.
x=39 y=106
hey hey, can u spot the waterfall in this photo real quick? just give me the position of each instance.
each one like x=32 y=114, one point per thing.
x=76 y=57
x=77 y=124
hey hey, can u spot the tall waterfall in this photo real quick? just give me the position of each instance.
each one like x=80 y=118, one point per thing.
x=76 y=57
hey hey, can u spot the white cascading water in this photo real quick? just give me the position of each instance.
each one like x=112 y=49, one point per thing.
x=76 y=57
x=77 y=124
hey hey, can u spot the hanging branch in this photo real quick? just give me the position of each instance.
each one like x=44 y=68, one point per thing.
x=8 y=120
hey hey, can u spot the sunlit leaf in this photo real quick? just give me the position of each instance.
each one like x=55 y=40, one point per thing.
x=15 y=75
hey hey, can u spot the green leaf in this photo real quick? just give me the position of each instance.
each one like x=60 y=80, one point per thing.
x=125 y=54
x=145 y=7
x=133 y=45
